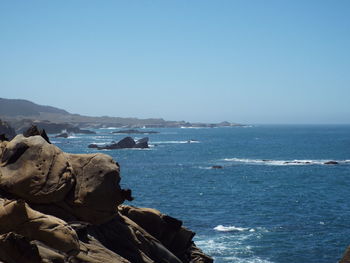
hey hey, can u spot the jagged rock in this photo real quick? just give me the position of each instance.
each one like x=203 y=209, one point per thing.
x=6 y=131
x=142 y=143
x=34 y=130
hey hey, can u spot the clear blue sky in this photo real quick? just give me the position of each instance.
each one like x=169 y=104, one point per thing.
x=263 y=61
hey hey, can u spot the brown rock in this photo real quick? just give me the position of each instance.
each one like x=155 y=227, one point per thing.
x=18 y=217
x=16 y=248
x=97 y=192
x=35 y=170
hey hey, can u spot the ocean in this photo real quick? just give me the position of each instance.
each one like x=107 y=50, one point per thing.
x=274 y=200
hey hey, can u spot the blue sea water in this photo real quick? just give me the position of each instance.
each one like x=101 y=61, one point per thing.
x=274 y=200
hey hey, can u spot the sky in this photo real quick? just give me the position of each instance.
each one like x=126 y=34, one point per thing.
x=244 y=61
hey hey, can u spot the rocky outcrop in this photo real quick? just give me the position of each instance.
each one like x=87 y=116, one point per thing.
x=125 y=143
x=331 y=162
x=61 y=207
x=6 y=131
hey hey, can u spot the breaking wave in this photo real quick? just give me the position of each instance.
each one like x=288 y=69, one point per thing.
x=176 y=142
x=222 y=228
x=286 y=162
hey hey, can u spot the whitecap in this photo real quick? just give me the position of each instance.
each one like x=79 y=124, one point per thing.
x=284 y=162
x=176 y=142
x=222 y=228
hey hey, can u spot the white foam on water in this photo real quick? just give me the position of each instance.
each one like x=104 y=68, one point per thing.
x=175 y=142
x=72 y=137
x=284 y=162
x=232 y=248
x=222 y=228
x=245 y=260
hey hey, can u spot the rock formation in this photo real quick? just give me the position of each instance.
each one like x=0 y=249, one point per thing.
x=61 y=207
x=6 y=131
x=62 y=135
x=125 y=143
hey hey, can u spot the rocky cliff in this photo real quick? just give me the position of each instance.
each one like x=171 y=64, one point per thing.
x=61 y=207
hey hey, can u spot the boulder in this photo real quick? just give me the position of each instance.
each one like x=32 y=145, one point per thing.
x=35 y=170
x=97 y=191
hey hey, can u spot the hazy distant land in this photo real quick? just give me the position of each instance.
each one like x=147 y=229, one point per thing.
x=20 y=113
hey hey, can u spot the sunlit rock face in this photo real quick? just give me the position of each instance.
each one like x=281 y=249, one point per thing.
x=61 y=207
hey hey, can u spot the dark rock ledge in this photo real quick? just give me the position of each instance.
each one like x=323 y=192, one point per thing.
x=60 y=207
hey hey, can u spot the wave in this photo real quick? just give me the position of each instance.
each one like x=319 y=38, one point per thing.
x=222 y=228
x=175 y=142
x=231 y=248
x=286 y=162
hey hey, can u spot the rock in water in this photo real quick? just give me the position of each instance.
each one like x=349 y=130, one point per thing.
x=125 y=143
x=62 y=135
x=142 y=143
x=331 y=162
x=43 y=188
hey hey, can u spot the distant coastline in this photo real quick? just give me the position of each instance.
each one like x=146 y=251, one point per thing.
x=22 y=113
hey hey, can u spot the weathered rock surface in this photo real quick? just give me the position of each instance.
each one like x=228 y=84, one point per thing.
x=61 y=207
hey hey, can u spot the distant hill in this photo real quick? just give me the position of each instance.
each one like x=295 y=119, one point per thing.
x=17 y=111
x=18 y=107
x=21 y=113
